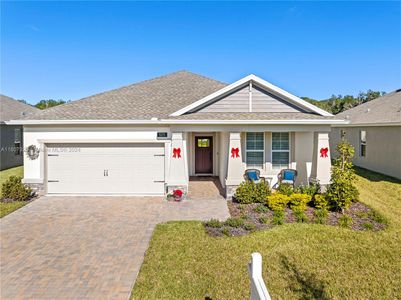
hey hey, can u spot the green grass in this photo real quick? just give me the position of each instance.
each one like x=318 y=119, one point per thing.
x=6 y=208
x=300 y=261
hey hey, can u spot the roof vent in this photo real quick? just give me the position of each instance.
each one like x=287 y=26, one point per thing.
x=368 y=110
x=399 y=90
x=23 y=113
x=154 y=119
x=347 y=117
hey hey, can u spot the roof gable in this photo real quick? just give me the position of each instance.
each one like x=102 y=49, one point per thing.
x=264 y=91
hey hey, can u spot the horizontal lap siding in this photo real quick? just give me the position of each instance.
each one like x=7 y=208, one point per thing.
x=236 y=102
x=265 y=102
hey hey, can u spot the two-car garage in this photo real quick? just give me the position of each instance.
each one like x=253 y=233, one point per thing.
x=124 y=168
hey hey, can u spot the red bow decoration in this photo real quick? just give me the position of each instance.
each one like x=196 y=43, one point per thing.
x=323 y=152
x=177 y=152
x=234 y=152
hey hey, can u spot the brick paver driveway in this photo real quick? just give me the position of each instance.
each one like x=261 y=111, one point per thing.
x=85 y=247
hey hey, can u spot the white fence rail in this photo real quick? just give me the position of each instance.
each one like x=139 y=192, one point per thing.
x=258 y=286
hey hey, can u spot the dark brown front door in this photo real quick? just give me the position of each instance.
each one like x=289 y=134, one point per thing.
x=203 y=155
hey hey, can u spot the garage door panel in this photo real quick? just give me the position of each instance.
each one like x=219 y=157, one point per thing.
x=111 y=169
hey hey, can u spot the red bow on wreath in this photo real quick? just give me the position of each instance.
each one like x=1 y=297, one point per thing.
x=177 y=152
x=323 y=152
x=234 y=152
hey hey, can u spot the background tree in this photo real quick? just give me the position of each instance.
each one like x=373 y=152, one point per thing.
x=43 y=104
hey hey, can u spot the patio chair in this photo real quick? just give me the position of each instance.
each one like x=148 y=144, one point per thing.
x=254 y=176
x=287 y=176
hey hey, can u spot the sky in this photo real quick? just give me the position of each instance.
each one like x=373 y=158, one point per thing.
x=69 y=50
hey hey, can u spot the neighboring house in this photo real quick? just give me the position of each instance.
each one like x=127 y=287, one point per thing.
x=11 y=152
x=375 y=132
x=150 y=137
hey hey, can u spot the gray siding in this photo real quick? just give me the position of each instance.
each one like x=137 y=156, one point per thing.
x=262 y=101
x=8 y=158
x=383 y=147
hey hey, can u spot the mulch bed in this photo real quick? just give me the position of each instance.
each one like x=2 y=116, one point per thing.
x=363 y=218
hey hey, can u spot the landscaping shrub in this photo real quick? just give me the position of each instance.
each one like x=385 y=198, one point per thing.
x=368 y=226
x=285 y=189
x=234 y=222
x=245 y=192
x=321 y=215
x=249 y=226
x=261 y=208
x=300 y=216
x=264 y=220
x=341 y=191
x=226 y=231
x=214 y=223
x=262 y=191
x=278 y=217
x=298 y=202
x=14 y=189
x=277 y=201
x=345 y=221
x=312 y=189
x=377 y=217
x=320 y=202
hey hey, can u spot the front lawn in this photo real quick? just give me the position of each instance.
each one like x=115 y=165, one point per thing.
x=6 y=208
x=301 y=261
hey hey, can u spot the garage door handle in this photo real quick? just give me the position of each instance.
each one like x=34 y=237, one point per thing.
x=52 y=181
x=158 y=154
x=159 y=181
x=52 y=154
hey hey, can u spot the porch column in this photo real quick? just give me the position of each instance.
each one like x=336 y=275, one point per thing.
x=235 y=167
x=178 y=169
x=321 y=163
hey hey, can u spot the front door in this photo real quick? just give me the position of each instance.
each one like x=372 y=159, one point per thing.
x=203 y=155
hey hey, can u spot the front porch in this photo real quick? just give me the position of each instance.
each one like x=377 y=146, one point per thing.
x=225 y=155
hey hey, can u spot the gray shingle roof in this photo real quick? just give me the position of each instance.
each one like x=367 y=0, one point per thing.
x=253 y=116
x=385 y=109
x=158 y=97
x=11 y=109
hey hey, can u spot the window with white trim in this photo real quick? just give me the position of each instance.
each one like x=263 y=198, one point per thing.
x=17 y=141
x=362 y=149
x=255 y=150
x=280 y=150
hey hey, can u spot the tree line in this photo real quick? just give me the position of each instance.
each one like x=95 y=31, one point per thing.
x=335 y=104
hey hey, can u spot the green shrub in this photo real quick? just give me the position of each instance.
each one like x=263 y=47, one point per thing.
x=377 y=217
x=285 y=189
x=249 y=226
x=245 y=192
x=226 y=231
x=298 y=202
x=320 y=202
x=261 y=208
x=345 y=221
x=214 y=223
x=278 y=217
x=300 y=216
x=367 y=226
x=264 y=220
x=262 y=191
x=311 y=189
x=321 y=216
x=234 y=222
x=277 y=201
x=249 y=192
x=14 y=189
x=341 y=191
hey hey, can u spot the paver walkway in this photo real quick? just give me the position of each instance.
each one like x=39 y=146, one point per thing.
x=85 y=247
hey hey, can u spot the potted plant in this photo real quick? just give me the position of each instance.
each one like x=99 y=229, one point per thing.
x=176 y=195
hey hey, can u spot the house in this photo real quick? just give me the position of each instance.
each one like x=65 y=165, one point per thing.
x=150 y=137
x=374 y=130
x=11 y=154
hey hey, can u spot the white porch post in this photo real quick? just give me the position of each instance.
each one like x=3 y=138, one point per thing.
x=178 y=171
x=321 y=164
x=235 y=167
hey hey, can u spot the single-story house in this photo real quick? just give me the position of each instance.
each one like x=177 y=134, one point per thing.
x=374 y=130
x=150 y=137
x=11 y=141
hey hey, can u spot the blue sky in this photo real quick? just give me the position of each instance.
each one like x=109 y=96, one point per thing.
x=68 y=50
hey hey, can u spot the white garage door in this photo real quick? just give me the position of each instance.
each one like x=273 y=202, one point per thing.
x=105 y=169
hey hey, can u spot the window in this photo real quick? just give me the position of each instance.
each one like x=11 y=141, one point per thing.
x=203 y=143
x=362 y=149
x=17 y=141
x=255 y=149
x=280 y=150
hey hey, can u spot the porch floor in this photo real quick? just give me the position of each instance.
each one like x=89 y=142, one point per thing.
x=205 y=187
